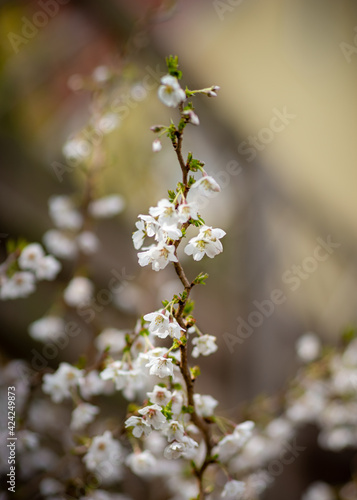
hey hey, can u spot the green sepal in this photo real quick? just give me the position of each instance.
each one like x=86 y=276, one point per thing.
x=172 y=67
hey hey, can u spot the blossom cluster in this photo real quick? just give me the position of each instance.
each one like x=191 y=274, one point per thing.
x=170 y=432
x=24 y=268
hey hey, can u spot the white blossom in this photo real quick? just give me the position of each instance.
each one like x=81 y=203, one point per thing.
x=177 y=402
x=63 y=213
x=319 y=491
x=88 y=242
x=177 y=449
x=20 y=285
x=140 y=426
x=192 y=117
x=156 y=145
x=47 y=328
x=153 y=416
x=146 y=226
x=174 y=431
x=185 y=211
x=205 y=243
x=170 y=92
x=49 y=487
x=206 y=186
x=84 y=414
x=161 y=367
x=31 y=256
x=59 y=384
x=166 y=213
x=108 y=122
x=111 y=338
x=103 y=495
x=233 y=490
x=118 y=372
x=78 y=292
x=160 y=395
x=105 y=207
x=101 y=74
x=158 y=256
x=280 y=429
x=48 y=268
x=103 y=449
x=92 y=385
x=205 y=345
x=337 y=439
x=27 y=440
x=171 y=232
x=163 y=324
x=142 y=464
x=233 y=443
x=76 y=150
x=204 y=405
x=159 y=322
x=60 y=244
x=308 y=347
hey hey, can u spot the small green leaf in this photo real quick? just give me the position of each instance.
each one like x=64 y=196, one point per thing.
x=200 y=279
x=349 y=334
x=171 y=195
x=189 y=306
x=82 y=362
x=195 y=372
x=172 y=67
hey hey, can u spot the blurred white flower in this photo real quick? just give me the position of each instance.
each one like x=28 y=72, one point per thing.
x=103 y=451
x=111 y=338
x=106 y=207
x=78 y=292
x=20 y=285
x=319 y=491
x=233 y=490
x=204 y=405
x=82 y=415
x=47 y=328
x=142 y=464
x=308 y=347
x=88 y=242
x=76 y=150
x=63 y=213
x=204 y=344
x=160 y=395
x=59 y=384
x=59 y=244
x=156 y=145
x=31 y=256
x=48 y=268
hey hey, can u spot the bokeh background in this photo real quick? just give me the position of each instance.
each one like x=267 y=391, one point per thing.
x=297 y=185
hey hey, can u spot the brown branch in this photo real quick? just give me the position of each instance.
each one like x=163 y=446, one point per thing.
x=200 y=423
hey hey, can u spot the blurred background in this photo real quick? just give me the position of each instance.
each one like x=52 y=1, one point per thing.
x=285 y=118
